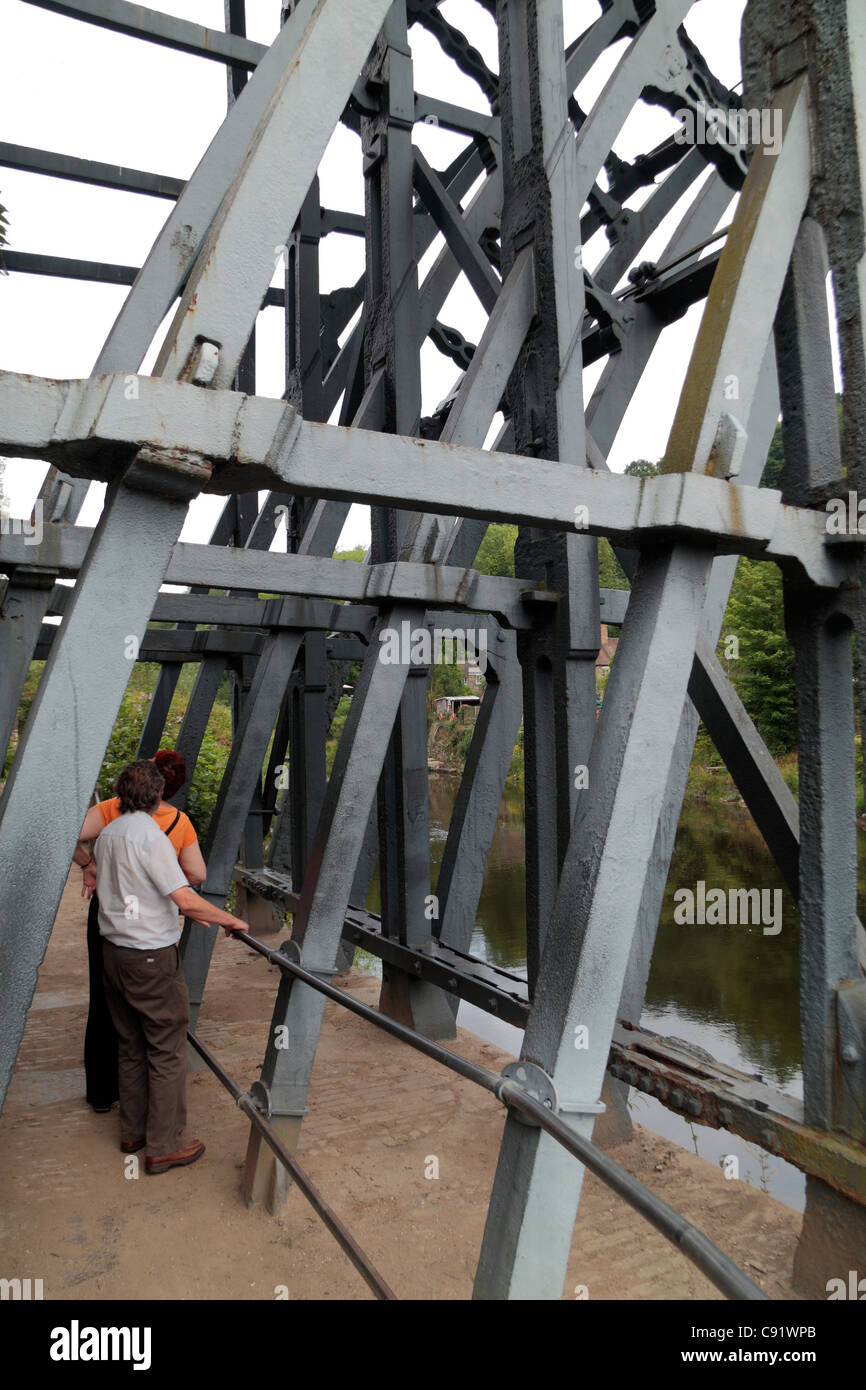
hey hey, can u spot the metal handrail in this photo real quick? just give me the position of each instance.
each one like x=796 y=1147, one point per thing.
x=361 y=1262
x=713 y=1262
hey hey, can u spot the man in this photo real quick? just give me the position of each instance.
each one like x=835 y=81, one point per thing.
x=141 y=886
x=100 y=1036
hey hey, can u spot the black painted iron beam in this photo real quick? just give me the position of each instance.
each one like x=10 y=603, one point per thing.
x=101 y=272
x=68 y=166
x=139 y=22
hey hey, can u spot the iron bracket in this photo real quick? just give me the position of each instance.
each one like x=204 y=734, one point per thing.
x=535 y=1081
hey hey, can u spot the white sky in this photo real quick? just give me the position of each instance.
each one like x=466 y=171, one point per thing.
x=73 y=88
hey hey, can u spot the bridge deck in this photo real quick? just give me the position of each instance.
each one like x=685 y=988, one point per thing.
x=378 y=1113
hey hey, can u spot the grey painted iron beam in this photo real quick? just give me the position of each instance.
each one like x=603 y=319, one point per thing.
x=612 y=854
x=243 y=771
x=318 y=922
x=22 y=609
x=255 y=442
x=514 y=603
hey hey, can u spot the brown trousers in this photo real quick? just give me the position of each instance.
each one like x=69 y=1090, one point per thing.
x=149 y=1006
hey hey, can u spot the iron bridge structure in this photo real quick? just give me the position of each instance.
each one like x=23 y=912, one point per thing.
x=536 y=179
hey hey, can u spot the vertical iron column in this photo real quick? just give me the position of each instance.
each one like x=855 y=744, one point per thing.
x=392 y=347
x=833 y=1237
x=541 y=208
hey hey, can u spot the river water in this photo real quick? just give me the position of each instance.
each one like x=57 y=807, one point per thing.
x=732 y=990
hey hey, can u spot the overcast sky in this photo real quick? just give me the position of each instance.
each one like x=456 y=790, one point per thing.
x=73 y=88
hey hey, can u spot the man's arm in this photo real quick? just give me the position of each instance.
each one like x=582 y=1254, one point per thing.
x=193 y=905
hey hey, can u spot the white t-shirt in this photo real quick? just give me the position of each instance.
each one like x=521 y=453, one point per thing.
x=136 y=870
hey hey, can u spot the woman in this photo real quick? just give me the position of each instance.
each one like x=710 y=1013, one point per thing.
x=100 y=1038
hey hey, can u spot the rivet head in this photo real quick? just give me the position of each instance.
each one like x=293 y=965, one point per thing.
x=850 y=1055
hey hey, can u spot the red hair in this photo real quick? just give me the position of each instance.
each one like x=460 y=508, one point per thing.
x=173 y=769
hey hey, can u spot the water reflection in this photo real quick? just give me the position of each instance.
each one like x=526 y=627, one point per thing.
x=735 y=982
x=734 y=988
x=731 y=990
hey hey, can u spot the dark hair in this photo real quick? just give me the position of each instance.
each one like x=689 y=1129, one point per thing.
x=173 y=769
x=139 y=786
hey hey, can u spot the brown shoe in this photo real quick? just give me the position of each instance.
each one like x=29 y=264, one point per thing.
x=131 y=1148
x=188 y=1154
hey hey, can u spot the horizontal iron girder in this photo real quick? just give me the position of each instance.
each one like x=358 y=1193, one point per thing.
x=68 y=166
x=140 y=22
x=495 y=990
x=238 y=612
x=91 y=428
x=98 y=272
x=168 y=645
x=63 y=550
x=708 y=1092
x=31 y=160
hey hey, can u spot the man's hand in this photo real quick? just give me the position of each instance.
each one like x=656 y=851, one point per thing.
x=198 y=909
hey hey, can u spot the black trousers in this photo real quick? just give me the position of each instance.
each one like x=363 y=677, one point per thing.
x=100 y=1038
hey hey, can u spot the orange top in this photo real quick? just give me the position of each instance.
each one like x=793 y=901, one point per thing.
x=182 y=835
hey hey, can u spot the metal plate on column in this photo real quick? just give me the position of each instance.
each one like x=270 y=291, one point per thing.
x=536 y=1083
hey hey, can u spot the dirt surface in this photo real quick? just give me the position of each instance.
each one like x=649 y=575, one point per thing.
x=377 y=1114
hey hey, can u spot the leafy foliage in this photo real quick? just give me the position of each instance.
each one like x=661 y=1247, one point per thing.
x=611 y=574
x=763 y=674
x=446 y=678
x=496 y=552
x=775 y=461
x=642 y=468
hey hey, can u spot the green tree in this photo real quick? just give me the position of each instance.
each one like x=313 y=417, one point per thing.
x=446 y=678
x=763 y=669
x=642 y=468
x=356 y=553
x=775 y=461
x=496 y=551
x=611 y=574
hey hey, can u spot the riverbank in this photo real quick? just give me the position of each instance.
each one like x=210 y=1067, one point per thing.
x=377 y=1115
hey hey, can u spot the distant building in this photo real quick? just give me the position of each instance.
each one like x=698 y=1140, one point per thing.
x=454 y=706
x=606 y=653
x=471 y=672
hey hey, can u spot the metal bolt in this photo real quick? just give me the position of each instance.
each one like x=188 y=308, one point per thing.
x=850 y=1055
